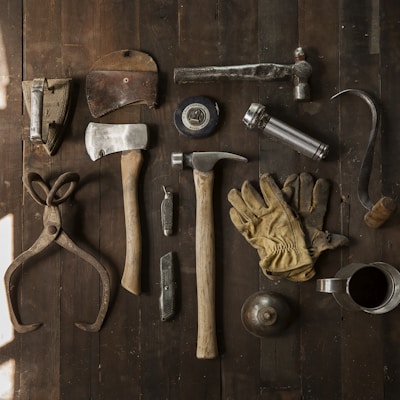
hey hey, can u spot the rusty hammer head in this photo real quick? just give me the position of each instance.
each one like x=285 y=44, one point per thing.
x=103 y=139
x=301 y=71
x=203 y=161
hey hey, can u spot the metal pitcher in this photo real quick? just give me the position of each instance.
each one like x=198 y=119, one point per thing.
x=373 y=288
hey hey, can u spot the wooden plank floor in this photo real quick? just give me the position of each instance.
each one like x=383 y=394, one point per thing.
x=327 y=352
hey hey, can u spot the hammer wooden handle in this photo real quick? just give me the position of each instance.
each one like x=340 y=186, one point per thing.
x=205 y=265
x=131 y=162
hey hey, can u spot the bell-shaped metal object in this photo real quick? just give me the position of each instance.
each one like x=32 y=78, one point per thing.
x=265 y=313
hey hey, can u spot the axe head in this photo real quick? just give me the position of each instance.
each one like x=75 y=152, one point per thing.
x=104 y=139
x=119 y=79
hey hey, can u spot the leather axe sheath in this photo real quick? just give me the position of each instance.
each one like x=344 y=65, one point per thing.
x=119 y=79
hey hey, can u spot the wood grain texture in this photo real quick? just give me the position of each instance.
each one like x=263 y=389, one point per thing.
x=205 y=265
x=320 y=119
x=359 y=331
x=276 y=47
x=389 y=32
x=41 y=297
x=326 y=353
x=131 y=163
x=11 y=212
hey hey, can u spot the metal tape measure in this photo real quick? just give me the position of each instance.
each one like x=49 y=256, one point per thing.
x=196 y=117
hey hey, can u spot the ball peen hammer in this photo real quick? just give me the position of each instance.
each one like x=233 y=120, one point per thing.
x=202 y=164
x=299 y=73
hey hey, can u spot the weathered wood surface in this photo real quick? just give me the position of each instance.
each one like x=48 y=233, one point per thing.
x=327 y=353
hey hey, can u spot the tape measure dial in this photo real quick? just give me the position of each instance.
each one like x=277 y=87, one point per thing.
x=196 y=117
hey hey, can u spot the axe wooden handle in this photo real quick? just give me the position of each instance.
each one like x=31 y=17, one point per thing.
x=131 y=162
x=205 y=265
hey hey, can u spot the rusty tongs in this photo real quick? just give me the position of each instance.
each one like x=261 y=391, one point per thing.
x=53 y=232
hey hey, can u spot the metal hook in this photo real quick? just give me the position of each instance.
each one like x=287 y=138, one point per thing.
x=381 y=211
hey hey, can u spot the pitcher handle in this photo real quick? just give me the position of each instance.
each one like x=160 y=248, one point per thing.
x=332 y=285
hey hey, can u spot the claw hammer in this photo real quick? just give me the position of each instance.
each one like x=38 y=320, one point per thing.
x=203 y=175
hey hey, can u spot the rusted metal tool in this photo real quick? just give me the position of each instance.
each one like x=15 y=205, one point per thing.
x=203 y=164
x=299 y=73
x=53 y=232
x=47 y=102
x=382 y=210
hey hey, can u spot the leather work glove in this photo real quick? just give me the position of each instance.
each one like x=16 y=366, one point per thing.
x=310 y=200
x=271 y=227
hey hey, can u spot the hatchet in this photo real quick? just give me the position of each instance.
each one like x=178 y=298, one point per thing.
x=119 y=79
x=130 y=139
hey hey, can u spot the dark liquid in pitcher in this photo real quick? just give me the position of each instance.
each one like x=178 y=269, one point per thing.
x=368 y=287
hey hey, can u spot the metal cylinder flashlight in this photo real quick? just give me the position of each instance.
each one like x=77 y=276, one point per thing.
x=257 y=117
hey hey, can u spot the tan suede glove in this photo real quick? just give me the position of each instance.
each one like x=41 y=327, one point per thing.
x=271 y=227
x=310 y=200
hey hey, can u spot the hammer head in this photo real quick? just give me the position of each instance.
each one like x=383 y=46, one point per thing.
x=104 y=139
x=202 y=160
x=301 y=74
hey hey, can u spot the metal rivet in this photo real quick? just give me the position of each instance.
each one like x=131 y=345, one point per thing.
x=52 y=229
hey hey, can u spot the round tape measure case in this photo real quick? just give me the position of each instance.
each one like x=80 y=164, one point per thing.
x=196 y=117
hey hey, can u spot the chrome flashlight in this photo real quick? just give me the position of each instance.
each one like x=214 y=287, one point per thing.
x=257 y=117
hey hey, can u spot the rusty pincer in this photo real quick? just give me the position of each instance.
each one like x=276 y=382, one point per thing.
x=53 y=232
